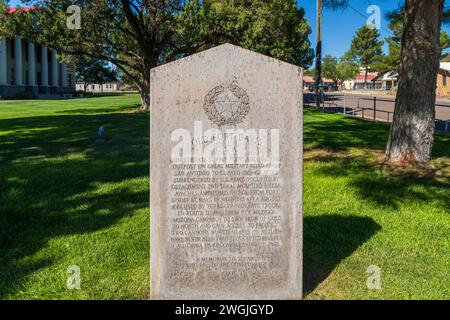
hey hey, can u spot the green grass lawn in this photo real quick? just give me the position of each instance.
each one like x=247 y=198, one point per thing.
x=66 y=199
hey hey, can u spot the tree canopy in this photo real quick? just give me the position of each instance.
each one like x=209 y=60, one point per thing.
x=339 y=70
x=335 y=4
x=89 y=71
x=366 y=47
x=139 y=35
x=391 y=62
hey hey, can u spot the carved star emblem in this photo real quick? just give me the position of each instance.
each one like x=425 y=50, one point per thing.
x=227 y=104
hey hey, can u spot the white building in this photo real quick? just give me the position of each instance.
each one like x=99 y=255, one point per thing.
x=389 y=80
x=359 y=82
x=99 y=88
x=30 y=68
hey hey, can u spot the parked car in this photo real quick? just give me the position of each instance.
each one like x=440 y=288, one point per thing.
x=312 y=87
x=326 y=87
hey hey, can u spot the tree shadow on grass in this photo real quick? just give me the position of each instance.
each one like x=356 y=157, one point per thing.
x=353 y=149
x=96 y=111
x=336 y=132
x=386 y=186
x=327 y=240
x=50 y=172
x=369 y=176
x=339 y=133
x=51 y=136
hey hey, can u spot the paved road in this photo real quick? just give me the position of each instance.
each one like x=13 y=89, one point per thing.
x=385 y=105
x=363 y=106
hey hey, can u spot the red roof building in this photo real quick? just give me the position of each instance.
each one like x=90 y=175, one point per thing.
x=24 y=9
x=361 y=77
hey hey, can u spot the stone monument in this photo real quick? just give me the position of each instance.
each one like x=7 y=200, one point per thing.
x=226 y=177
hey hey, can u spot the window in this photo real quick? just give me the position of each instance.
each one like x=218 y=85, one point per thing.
x=444 y=80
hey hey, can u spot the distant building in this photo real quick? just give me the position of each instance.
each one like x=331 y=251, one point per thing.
x=358 y=82
x=99 y=88
x=443 y=80
x=26 y=67
x=308 y=80
x=389 y=80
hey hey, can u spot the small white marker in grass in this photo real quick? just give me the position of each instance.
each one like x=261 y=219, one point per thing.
x=374 y=279
x=74 y=279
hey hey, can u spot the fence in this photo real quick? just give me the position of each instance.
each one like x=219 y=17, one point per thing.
x=375 y=109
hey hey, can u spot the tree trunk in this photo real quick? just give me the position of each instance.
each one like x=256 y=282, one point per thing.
x=365 y=77
x=145 y=96
x=144 y=87
x=412 y=131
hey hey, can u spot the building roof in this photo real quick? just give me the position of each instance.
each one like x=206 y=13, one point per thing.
x=361 y=77
x=444 y=66
x=444 y=69
x=387 y=76
x=18 y=9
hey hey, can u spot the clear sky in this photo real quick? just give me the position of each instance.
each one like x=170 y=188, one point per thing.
x=340 y=26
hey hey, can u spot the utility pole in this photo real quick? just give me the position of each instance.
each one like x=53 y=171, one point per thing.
x=319 y=53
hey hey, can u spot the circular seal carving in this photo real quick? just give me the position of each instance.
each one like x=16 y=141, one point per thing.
x=227 y=104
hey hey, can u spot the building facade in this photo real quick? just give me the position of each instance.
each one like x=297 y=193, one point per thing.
x=443 y=80
x=99 y=88
x=33 y=69
x=359 y=82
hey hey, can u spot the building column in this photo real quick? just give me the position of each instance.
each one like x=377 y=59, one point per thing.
x=64 y=82
x=44 y=67
x=55 y=80
x=31 y=65
x=18 y=62
x=3 y=63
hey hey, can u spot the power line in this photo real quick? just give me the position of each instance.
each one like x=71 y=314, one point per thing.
x=365 y=18
x=357 y=11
